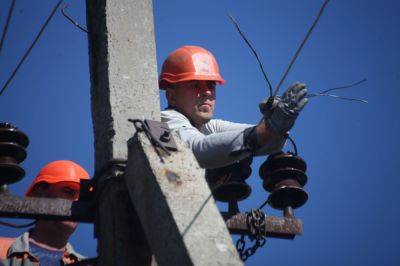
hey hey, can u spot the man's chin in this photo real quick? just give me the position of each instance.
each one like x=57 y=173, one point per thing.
x=66 y=225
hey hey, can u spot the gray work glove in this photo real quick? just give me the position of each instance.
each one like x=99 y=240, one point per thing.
x=284 y=110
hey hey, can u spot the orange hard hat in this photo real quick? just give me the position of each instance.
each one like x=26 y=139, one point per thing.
x=59 y=171
x=189 y=63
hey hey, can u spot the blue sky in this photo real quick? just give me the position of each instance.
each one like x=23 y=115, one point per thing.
x=351 y=148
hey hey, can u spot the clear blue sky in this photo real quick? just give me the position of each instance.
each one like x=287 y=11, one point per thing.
x=351 y=148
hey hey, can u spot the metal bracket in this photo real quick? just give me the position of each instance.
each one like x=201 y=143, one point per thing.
x=161 y=132
x=46 y=208
x=276 y=227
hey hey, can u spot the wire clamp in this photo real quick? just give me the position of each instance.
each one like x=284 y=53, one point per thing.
x=159 y=135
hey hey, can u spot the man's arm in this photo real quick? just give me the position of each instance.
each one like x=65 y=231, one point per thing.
x=260 y=139
x=222 y=143
x=215 y=150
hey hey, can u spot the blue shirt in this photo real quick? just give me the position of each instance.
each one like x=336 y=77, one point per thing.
x=46 y=257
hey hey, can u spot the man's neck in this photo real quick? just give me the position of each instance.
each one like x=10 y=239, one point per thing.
x=199 y=127
x=43 y=237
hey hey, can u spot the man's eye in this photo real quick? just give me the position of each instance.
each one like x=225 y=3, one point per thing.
x=70 y=192
x=211 y=85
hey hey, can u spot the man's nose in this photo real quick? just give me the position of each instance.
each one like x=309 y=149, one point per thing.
x=206 y=91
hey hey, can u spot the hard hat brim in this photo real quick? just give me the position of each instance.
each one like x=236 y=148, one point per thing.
x=165 y=81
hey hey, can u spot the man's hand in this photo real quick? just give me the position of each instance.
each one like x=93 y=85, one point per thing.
x=284 y=110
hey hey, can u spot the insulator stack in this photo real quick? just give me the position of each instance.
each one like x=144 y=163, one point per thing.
x=13 y=143
x=228 y=184
x=284 y=176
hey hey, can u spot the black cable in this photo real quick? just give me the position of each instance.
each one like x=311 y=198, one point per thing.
x=343 y=87
x=293 y=143
x=5 y=29
x=338 y=97
x=263 y=204
x=71 y=19
x=254 y=52
x=325 y=92
x=31 y=46
x=300 y=47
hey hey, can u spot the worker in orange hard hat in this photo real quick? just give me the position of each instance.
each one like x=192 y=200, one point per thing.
x=47 y=242
x=189 y=76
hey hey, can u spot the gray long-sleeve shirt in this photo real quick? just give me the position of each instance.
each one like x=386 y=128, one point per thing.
x=218 y=143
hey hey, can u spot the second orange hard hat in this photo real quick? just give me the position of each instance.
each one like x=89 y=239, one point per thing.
x=189 y=63
x=59 y=171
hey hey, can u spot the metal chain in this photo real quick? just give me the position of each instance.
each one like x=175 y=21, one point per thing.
x=256 y=222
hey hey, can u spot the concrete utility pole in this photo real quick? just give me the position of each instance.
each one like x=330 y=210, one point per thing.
x=180 y=220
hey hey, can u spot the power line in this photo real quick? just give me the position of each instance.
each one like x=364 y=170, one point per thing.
x=301 y=47
x=64 y=12
x=5 y=29
x=253 y=50
x=31 y=46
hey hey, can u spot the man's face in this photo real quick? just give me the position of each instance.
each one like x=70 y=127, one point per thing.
x=195 y=99
x=63 y=190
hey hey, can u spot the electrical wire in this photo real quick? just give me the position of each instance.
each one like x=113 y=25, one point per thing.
x=254 y=52
x=338 y=97
x=263 y=204
x=325 y=92
x=5 y=29
x=301 y=47
x=31 y=46
x=343 y=87
x=293 y=143
x=71 y=19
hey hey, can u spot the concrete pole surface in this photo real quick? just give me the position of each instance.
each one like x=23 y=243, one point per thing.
x=173 y=202
x=181 y=221
x=124 y=85
x=121 y=239
x=123 y=72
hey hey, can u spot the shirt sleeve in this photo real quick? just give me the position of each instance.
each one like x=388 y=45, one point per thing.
x=217 y=149
x=218 y=125
x=219 y=144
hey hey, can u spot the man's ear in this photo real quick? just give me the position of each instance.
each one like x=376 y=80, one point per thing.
x=171 y=97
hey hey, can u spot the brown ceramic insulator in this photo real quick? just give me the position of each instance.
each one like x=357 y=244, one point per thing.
x=281 y=166
x=10 y=173
x=280 y=174
x=9 y=133
x=232 y=190
x=12 y=152
x=287 y=193
x=282 y=160
x=228 y=183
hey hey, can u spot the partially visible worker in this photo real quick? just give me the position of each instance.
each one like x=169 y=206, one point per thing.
x=47 y=242
x=189 y=76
